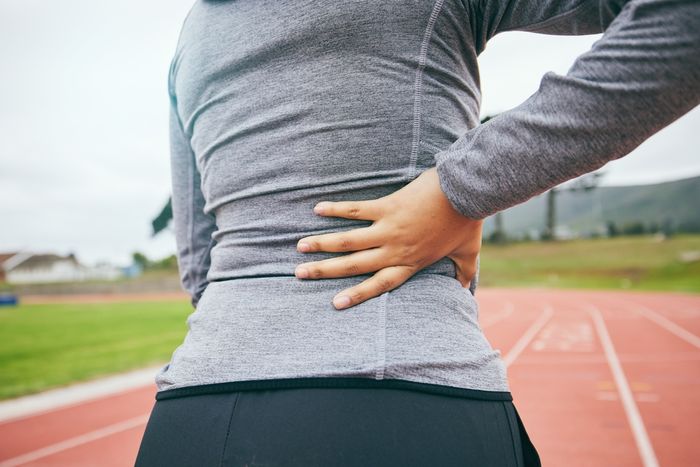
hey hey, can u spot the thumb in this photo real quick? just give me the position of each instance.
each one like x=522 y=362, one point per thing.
x=465 y=269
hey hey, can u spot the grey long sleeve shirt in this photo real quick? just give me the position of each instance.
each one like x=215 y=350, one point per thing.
x=278 y=105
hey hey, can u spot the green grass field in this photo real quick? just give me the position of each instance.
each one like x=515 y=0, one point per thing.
x=44 y=346
x=634 y=263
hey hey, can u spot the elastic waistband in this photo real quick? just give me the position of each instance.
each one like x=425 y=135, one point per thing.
x=332 y=382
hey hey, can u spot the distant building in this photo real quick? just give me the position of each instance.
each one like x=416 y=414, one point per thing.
x=4 y=257
x=23 y=267
x=564 y=232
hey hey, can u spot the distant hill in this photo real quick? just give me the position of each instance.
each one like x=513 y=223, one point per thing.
x=675 y=203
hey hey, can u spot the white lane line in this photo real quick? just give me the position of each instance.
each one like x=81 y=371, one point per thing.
x=525 y=339
x=669 y=325
x=76 y=441
x=646 y=450
x=586 y=359
x=14 y=409
x=508 y=310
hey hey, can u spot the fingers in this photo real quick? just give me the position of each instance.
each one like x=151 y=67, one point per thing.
x=367 y=210
x=351 y=240
x=361 y=262
x=383 y=281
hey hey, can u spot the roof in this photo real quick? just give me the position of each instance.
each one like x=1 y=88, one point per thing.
x=5 y=256
x=9 y=261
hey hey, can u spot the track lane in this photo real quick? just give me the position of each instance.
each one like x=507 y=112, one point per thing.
x=560 y=377
x=60 y=429
x=556 y=382
x=667 y=386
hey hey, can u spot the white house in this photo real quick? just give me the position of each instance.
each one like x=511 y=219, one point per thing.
x=23 y=267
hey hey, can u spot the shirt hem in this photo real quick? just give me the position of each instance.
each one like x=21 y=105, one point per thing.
x=332 y=382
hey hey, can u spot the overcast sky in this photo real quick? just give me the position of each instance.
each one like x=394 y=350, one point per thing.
x=84 y=165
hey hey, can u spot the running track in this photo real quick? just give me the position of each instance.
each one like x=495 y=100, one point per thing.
x=599 y=378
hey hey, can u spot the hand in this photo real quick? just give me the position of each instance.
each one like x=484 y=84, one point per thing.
x=413 y=227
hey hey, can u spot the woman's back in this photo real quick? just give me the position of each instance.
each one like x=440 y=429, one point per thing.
x=286 y=105
x=280 y=105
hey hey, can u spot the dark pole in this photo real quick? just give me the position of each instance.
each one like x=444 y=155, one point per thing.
x=499 y=235
x=551 y=215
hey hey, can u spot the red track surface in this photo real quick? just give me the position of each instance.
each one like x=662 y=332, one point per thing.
x=599 y=378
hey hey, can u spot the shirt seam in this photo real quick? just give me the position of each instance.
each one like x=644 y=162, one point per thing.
x=418 y=88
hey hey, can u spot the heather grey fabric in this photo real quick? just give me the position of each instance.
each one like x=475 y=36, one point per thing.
x=277 y=105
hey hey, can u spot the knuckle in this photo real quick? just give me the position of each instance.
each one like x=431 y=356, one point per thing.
x=397 y=254
x=385 y=284
x=352 y=269
x=345 y=243
x=407 y=252
x=353 y=211
x=393 y=236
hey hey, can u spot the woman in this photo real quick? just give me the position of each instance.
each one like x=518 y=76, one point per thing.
x=372 y=108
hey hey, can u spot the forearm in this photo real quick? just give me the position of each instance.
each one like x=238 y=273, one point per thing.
x=642 y=75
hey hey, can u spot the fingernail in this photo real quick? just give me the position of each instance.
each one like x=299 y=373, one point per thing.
x=341 y=301
x=303 y=247
x=318 y=209
x=302 y=272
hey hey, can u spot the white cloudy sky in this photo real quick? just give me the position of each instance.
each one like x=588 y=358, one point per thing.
x=84 y=164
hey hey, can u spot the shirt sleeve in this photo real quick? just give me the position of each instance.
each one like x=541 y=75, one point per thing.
x=562 y=17
x=192 y=225
x=643 y=74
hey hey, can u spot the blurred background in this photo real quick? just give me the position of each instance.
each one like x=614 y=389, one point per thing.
x=89 y=283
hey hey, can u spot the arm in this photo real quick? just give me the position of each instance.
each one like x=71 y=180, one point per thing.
x=643 y=74
x=193 y=227
x=562 y=17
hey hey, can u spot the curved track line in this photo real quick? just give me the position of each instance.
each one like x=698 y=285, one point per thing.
x=669 y=325
x=76 y=441
x=641 y=437
x=525 y=339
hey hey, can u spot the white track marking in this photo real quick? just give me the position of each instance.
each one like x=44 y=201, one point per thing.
x=586 y=359
x=528 y=336
x=22 y=407
x=565 y=337
x=76 y=441
x=669 y=325
x=508 y=310
x=646 y=450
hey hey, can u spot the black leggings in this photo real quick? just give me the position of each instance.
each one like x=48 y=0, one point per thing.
x=334 y=427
